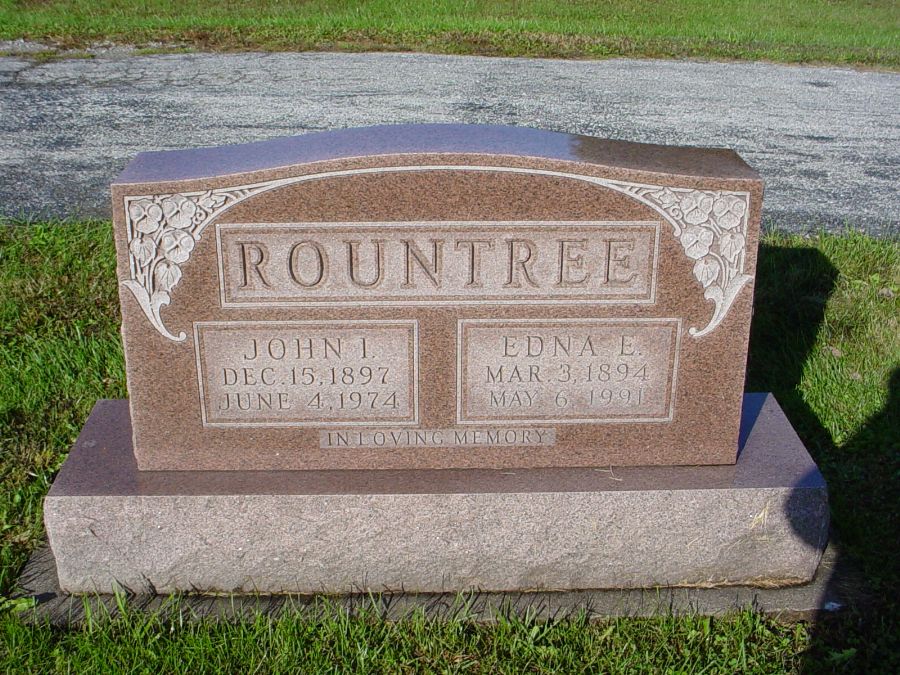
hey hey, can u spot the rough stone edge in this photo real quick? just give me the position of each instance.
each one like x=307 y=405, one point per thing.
x=208 y=544
x=835 y=590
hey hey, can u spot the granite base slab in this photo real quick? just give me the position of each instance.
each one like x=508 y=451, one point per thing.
x=761 y=522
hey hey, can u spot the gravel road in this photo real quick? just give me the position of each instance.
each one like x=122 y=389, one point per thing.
x=826 y=140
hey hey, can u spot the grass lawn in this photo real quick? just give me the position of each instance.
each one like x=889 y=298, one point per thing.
x=825 y=340
x=856 y=32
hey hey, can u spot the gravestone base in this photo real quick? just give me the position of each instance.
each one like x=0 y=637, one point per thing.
x=836 y=588
x=761 y=522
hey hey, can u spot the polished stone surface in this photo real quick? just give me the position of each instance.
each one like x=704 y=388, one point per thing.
x=762 y=521
x=464 y=139
x=618 y=278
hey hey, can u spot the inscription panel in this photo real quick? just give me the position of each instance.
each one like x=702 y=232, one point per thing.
x=566 y=371
x=436 y=438
x=298 y=373
x=402 y=263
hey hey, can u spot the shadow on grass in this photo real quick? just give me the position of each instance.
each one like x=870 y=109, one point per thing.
x=793 y=287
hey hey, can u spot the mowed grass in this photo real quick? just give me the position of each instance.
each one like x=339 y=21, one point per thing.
x=336 y=642
x=824 y=339
x=857 y=32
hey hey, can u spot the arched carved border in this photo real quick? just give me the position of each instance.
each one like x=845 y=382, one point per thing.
x=162 y=231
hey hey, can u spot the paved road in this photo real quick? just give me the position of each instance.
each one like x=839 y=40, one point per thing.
x=826 y=140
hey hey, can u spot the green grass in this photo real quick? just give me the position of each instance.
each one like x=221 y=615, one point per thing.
x=824 y=339
x=335 y=642
x=856 y=32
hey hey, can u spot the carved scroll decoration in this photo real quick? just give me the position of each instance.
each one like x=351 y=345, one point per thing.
x=163 y=230
x=712 y=229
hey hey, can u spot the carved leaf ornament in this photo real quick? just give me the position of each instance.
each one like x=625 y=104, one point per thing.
x=163 y=231
x=712 y=229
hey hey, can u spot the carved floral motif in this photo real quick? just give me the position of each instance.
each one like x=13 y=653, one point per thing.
x=712 y=229
x=163 y=230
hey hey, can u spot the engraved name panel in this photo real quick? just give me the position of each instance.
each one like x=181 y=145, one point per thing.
x=404 y=263
x=298 y=373
x=566 y=371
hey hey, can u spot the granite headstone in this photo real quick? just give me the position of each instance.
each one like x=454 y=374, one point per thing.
x=436 y=358
x=436 y=297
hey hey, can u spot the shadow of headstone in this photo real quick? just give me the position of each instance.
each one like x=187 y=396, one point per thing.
x=863 y=477
x=793 y=288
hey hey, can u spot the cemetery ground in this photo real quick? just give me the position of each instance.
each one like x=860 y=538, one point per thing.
x=824 y=340
x=854 y=33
